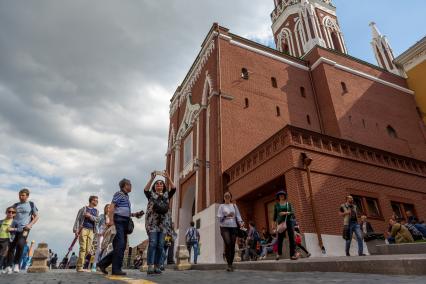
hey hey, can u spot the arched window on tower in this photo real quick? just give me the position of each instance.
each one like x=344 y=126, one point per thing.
x=336 y=43
x=391 y=132
x=286 y=48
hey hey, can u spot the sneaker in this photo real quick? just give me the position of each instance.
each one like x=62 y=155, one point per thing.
x=80 y=269
x=150 y=270
x=347 y=254
x=229 y=269
x=16 y=268
x=277 y=258
x=308 y=255
x=8 y=270
x=157 y=270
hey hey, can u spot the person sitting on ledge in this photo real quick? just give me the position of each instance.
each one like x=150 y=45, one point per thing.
x=400 y=232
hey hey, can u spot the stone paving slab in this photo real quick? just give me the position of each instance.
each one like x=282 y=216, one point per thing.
x=208 y=277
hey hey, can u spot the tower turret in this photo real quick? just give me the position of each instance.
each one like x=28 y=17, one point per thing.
x=299 y=25
x=382 y=50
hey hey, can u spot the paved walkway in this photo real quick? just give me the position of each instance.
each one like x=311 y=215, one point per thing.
x=201 y=277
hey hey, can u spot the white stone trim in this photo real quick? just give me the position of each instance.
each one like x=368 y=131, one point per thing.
x=268 y=54
x=175 y=206
x=197 y=155
x=208 y=89
x=360 y=73
x=194 y=74
x=208 y=156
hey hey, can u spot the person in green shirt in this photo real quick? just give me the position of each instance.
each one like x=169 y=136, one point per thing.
x=7 y=227
x=283 y=212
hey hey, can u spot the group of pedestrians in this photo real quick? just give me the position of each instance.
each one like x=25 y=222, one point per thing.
x=232 y=227
x=14 y=230
x=111 y=229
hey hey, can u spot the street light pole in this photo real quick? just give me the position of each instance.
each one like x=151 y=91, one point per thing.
x=307 y=163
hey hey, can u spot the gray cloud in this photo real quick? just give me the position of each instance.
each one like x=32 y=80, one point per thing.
x=84 y=95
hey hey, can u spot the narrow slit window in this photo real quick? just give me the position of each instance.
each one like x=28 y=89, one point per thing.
x=278 y=111
x=246 y=103
x=302 y=92
x=344 y=87
x=391 y=132
x=244 y=74
x=308 y=119
x=274 y=82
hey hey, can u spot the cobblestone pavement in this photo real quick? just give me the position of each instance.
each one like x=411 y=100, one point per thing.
x=222 y=277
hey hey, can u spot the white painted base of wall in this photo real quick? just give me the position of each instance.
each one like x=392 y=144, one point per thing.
x=211 y=243
x=334 y=245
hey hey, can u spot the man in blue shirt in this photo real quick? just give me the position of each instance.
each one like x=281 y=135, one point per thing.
x=85 y=228
x=26 y=217
x=119 y=215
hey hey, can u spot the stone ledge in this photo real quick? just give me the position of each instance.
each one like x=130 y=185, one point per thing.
x=386 y=264
x=408 y=248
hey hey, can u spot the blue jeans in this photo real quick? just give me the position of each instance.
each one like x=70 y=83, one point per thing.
x=119 y=244
x=155 y=248
x=355 y=228
x=195 y=246
x=421 y=228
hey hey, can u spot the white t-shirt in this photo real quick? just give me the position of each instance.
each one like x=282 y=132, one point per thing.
x=224 y=211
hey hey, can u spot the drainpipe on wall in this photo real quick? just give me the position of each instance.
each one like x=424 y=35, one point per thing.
x=307 y=163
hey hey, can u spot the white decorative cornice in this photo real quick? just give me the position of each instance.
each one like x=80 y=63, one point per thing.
x=286 y=5
x=193 y=75
x=412 y=56
x=360 y=73
x=191 y=113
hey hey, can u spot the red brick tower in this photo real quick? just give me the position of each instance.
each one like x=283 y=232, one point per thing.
x=299 y=25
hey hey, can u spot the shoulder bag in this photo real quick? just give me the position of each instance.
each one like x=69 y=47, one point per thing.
x=240 y=232
x=283 y=225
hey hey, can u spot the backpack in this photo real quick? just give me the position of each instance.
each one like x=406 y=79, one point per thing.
x=256 y=236
x=191 y=236
x=160 y=205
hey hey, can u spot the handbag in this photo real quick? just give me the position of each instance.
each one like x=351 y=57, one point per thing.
x=130 y=226
x=345 y=233
x=240 y=232
x=283 y=225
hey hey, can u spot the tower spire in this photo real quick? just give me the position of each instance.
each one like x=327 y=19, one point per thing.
x=382 y=50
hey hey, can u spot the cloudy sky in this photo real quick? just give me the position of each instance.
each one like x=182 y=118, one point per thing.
x=85 y=89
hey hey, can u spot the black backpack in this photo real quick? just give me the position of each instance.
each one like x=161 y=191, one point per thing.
x=160 y=205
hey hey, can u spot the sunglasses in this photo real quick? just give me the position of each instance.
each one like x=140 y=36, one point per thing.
x=13 y=212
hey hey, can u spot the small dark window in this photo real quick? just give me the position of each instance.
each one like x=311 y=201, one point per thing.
x=344 y=88
x=246 y=103
x=350 y=119
x=274 y=82
x=244 y=74
x=278 y=111
x=302 y=92
x=308 y=118
x=419 y=112
x=198 y=224
x=391 y=132
x=363 y=123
